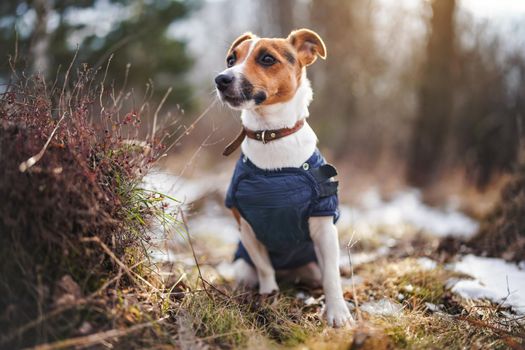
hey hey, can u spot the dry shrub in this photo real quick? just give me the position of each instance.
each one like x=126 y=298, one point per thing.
x=85 y=185
x=502 y=233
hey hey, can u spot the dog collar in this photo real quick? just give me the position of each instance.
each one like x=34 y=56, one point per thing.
x=264 y=136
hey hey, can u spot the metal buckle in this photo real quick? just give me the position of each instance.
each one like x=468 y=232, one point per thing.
x=262 y=136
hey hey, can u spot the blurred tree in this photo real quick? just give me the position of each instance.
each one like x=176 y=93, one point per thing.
x=345 y=84
x=489 y=136
x=435 y=97
x=39 y=46
x=337 y=23
x=47 y=32
x=490 y=106
x=280 y=16
x=502 y=231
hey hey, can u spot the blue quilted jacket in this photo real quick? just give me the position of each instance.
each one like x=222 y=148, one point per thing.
x=278 y=203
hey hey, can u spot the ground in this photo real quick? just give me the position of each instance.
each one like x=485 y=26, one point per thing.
x=403 y=294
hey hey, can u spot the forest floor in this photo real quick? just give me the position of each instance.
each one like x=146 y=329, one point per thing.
x=403 y=291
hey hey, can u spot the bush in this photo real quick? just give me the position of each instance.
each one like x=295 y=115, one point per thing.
x=502 y=232
x=70 y=179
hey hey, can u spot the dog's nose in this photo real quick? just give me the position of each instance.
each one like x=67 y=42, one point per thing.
x=223 y=81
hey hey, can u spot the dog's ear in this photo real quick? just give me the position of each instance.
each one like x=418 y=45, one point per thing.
x=240 y=39
x=308 y=44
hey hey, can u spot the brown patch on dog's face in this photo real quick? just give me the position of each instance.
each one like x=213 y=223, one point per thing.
x=273 y=70
x=239 y=50
x=267 y=71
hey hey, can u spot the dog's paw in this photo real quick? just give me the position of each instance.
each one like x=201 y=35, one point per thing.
x=337 y=314
x=268 y=286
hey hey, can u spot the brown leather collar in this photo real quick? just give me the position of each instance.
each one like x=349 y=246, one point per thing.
x=264 y=136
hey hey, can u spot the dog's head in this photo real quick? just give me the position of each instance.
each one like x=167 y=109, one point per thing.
x=265 y=71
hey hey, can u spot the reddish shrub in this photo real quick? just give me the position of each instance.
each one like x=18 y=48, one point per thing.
x=84 y=185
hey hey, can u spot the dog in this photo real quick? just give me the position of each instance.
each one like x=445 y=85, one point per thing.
x=282 y=193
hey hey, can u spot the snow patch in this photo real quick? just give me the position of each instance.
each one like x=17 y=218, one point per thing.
x=214 y=220
x=211 y=219
x=493 y=279
x=383 y=307
x=427 y=263
x=406 y=208
x=183 y=189
x=361 y=257
x=432 y=307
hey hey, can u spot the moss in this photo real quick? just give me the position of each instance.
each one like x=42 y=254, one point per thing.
x=285 y=321
x=408 y=278
x=234 y=322
x=219 y=321
x=427 y=286
x=398 y=335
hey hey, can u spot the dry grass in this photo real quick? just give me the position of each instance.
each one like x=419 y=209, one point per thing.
x=448 y=322
x=431 y=315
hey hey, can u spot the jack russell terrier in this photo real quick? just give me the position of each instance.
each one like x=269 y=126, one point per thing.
x=282 y=192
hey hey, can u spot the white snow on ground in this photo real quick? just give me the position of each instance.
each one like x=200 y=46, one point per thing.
x=427 y=263
x=493 y=280
x=216 y=221
x=209 y=219
x=183 y=189
x=383 y=307
x=405 y=208
x=361 y=257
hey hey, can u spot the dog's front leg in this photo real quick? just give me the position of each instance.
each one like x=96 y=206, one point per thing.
x=324 y=235
x=259 y=255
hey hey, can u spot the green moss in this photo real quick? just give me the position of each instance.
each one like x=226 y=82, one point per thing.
x=229 y=322
x=427 y=285
x=398 y=335
x=285 y=321
x=218 y=321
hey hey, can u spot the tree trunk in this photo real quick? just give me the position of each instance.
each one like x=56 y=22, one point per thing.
x=334 y=83
x=279 y=17
x=435 y=97
x=286 y=16
x=40 y=40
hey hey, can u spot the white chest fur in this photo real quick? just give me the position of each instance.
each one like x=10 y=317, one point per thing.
x=289 y=151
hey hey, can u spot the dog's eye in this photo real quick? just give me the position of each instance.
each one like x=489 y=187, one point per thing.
x=230 y=61
x=267 y=60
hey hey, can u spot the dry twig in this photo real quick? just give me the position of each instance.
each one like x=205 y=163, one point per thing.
x=96 y=338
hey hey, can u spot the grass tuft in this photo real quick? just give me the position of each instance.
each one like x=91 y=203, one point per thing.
x=237 y=321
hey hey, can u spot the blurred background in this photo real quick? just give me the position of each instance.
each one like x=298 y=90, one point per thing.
x=414 y=93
